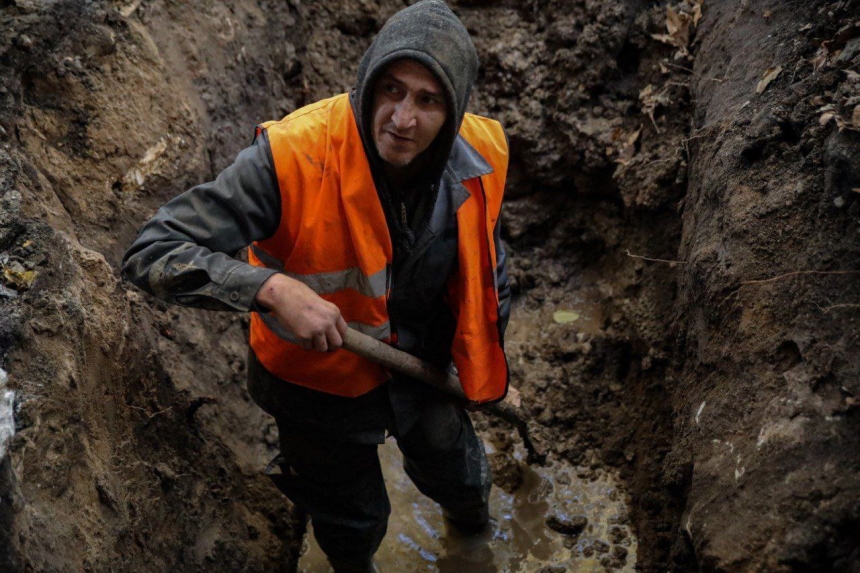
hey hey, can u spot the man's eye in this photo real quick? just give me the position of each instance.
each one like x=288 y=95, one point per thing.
x=390 y=88
x=430 y=100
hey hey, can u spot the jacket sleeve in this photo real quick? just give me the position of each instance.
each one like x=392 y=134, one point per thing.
x=185 y=253
x=504 y=286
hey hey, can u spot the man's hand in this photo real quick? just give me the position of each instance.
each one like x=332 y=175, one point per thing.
x=316 y=323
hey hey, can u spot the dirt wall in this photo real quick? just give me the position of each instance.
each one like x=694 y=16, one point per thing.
x=768 y=348
x=136 y=445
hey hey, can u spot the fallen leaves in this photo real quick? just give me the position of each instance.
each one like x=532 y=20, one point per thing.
x=623 y=148
x=821 y=58
x=651 y=99
x=565 y=316
x=831 y=49
x=831 y=113
x=626 y=145
x=769 y=75
x=681 y=22
x=17 y=276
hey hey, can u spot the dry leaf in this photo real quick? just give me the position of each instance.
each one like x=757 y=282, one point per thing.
x=679 y=26
x=651 y=99
x=855 y=117
x=856 y=189
x=826 y=117
x=19 y=278
x=805 y=28
x=628 y=147
x=767 y=14
x=821 y=57
x=769 y=75
x=829 y=116
x=565 y=316
x=697 y=11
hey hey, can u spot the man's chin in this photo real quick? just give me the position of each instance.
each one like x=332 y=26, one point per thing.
x=397 y=160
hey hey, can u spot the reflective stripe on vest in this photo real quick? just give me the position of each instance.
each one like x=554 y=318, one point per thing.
x=327 y=283
x=334 y=238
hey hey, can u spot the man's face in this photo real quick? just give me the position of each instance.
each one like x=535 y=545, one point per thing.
x=408 y=111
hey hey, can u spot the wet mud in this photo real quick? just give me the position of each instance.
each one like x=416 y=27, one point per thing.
x=559 y=518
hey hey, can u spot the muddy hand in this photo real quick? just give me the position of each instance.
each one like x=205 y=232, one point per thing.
x=316 y=323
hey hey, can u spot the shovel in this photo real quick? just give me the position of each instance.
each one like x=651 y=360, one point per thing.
x=508 y=409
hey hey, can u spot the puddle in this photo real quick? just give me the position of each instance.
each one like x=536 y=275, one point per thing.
x=521 y=542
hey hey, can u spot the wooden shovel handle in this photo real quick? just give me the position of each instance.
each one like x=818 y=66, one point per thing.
x=388 y=356
x=508 y=410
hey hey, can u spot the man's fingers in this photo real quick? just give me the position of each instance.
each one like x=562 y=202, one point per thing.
x=320 y=342
x=335 y=340
x=342 y=326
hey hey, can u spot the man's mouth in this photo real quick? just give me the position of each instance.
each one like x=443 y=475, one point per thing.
x=399 y=138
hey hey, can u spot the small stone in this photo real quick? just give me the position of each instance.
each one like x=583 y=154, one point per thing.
x=584 y=473
x=546 y=417
x=617 y=534
x=25 y=42
x=619 y=552
x=849 y=52
x=507 y=473
x=601 y=546
x=839 y=202
x=567 y=525
x=7 y=292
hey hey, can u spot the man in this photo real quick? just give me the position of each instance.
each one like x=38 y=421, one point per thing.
x=378 y=209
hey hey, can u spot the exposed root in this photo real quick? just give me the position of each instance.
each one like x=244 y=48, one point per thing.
x=629 y=254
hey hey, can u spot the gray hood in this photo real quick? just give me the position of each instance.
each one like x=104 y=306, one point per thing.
x=429 y=33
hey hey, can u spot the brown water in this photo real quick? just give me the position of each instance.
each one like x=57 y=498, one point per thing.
x=417 y=538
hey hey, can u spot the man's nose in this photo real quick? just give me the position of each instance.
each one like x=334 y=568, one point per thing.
x=404 y=114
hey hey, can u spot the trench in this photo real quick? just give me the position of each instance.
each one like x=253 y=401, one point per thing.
x=194 y=439
x=652 y=177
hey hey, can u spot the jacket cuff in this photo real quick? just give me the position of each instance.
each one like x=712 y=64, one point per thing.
x=240 y=287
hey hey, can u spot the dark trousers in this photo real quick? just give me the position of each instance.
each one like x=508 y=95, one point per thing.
x=330 y=468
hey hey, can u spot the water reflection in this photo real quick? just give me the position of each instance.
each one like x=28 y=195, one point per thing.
x=520 y=541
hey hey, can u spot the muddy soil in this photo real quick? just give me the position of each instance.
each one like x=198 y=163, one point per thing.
x=681 y=219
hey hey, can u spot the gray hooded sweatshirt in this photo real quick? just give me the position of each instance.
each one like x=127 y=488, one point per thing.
x=186 y=253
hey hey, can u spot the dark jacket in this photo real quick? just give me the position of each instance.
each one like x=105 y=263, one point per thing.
x=186 y=253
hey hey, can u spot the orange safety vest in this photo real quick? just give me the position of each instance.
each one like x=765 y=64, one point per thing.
x=333 y=237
